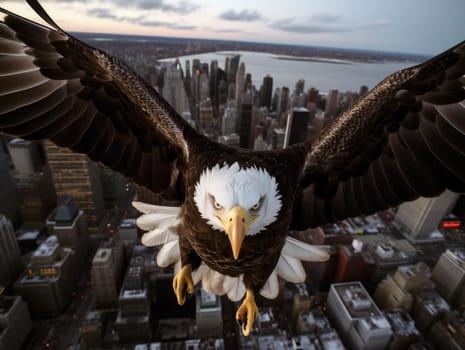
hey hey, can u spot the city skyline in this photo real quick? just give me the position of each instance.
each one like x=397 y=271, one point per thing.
x=387 y=26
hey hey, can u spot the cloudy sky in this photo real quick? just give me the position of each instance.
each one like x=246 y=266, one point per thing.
x=415 y=26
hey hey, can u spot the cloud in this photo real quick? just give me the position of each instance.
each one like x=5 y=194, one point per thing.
x=140 y=20
x=289 y=25
x=182 y=7
x=243 y=16
x=324 y=23
x=230 y=30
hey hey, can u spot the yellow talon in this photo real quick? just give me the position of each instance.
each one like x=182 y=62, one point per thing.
x=183 y=284
x=247 y=313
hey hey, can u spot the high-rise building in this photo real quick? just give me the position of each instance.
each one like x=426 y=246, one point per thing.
x=331 y=103
x=133 y=321
x=208 y=125
x=9 y=202
x=245 y=125
x=283 y=106
x=449 y=276
x=25 y=156
x=357 y=318
x=77 y=176
x=228 y=125
x=68 y=224
x=33 y=180
x=429 y=305
x=11 y=263
x=15 y=322
x=209 y=318
x=107 y=275
x=420 y=218
x=277 y=138
x=297 y=126
x=174 y=90
x=231 y=67
x=50 y=278
x=239 y=90
x=404 y=332
x=266 y=91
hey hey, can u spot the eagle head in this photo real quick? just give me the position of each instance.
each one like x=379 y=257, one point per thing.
x=237 y=201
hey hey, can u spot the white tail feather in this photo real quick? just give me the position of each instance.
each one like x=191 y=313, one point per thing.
x=148 y=222
x=158 y=236
x=290 y=269
x=303 y=251
x=236 y=289
x=169 y=254
x=150 y=208
x=271 y=288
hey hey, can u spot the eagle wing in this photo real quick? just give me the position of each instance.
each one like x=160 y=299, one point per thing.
x=55 y=86
x=403 y=140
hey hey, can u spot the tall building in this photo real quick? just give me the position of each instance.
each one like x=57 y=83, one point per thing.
x=208 y=125
x=228 y=125
x=283 y=106
x=297 y=126
x=277 y=138
x=174 y=90
x=209 y=318
x=25 y=156
x=449 y=276
x=33 y=180
x=231 y=67
x=11 y=263
x=77 y=176
x=68 y=224
x=331 y=103
x=245 y=125
x=404 y=332
x=50 y=278
x=266 y=92
x=107 y=275
x=9 y=202
x=358 y=320
x=239 y=90
x=420 y=218
x=15 y=322
x=133 y=321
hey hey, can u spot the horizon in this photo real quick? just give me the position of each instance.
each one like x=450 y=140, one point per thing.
x=375 y=26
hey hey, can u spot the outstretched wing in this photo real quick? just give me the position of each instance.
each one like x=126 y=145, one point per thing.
x=405 y=139
x=54 y=86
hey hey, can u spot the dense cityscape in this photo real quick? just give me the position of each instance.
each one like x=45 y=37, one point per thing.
x=74 y=274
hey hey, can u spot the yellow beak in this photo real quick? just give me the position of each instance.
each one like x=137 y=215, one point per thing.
x=236 y=225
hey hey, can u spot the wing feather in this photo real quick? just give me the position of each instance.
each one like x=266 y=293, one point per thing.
x=404 y=139
x=55 y=86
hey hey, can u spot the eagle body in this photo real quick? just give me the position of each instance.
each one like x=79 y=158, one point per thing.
x=260 y=253
x=402 y=140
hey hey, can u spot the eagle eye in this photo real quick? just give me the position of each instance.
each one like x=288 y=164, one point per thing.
x=257 y=205
x=216 y=205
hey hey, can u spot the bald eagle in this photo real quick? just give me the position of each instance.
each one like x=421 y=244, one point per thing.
x=402 y=140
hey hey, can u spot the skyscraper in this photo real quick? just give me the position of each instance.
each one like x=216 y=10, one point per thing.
x=239 y=90
x=283 y=106
x=231 y=66
x=11 y=263
x=77 y=176
x=33 y=180
x=297 y=126
x=266 y=91
x=174 y=90
x=9 y=202
x=15 y=322
x=245 y=124
x=420 y=218
x=331 y=103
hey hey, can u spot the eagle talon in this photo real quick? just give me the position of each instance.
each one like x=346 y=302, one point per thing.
x=183 y=284
x=247 y=313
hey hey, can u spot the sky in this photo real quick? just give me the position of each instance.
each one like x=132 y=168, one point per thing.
x=411 y=26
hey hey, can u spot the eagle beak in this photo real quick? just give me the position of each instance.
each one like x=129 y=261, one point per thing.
x=236 y=226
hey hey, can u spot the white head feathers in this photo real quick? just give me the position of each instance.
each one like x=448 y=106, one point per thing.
x=230 y=186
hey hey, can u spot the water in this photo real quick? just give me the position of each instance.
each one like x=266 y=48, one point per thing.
x=321 y=75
